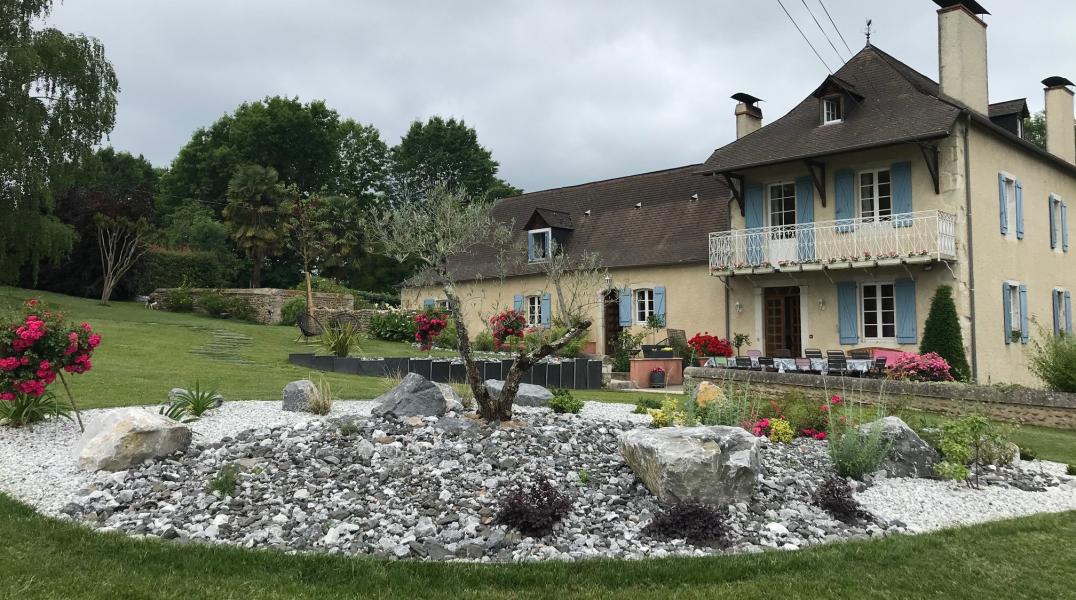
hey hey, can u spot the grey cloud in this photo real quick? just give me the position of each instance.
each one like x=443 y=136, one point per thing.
x=562 y=92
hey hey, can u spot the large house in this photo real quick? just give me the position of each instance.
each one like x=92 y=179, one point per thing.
x=833 y=226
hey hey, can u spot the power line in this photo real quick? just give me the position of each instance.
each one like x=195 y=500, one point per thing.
x=796 y=25
x=824 y=34
x=835 y=28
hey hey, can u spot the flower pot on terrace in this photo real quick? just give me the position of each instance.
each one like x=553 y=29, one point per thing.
x=657 y=351
x=657 y=379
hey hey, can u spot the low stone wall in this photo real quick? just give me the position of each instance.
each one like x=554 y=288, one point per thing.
x=267 y=302
x=1013 y=404
x=362 y=315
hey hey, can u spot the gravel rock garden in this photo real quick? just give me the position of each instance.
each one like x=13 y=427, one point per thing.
x=380 y=478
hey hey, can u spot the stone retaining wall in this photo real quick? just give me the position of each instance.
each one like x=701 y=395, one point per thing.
x=1013 y=404
x=267 y=302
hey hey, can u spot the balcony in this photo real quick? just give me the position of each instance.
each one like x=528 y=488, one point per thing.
x=906 y=238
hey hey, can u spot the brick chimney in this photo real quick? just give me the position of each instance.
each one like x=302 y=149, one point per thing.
x=962 y=53
x=748 y=115
x=1060 y=136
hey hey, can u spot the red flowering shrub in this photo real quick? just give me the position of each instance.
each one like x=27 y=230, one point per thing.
x=921 y=367
x=429 y=325
x=705 y=344
x=506 y=326
x=33 y=351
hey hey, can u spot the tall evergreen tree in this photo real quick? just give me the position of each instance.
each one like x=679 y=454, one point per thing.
x=942 y=334
x=57 y=98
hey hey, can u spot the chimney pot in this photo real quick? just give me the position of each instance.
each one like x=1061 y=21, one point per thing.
x=748 y=114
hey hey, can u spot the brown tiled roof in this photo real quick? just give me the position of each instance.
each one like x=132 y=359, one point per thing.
x=553 y=218
x=898 y=104
x=670 y=225
x=1010 y=107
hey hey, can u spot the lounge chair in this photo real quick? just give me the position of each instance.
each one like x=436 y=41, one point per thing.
x=878 y=369
x=813 y=353
x=861 y=354
x=743 y=362
x=804 y=365
x=765 y=364
x=837 y=365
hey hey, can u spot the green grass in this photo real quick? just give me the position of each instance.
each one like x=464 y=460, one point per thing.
x=44 y=558
x=144 y=353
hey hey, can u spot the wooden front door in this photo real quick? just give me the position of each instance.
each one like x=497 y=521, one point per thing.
x=781 y=319
x=611 y=318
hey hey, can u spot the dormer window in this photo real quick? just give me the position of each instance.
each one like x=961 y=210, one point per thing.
x=831 y=110
x=539 y=244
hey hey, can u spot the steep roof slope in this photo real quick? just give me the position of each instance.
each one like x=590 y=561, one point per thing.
x=893 y=103
x=670 y=226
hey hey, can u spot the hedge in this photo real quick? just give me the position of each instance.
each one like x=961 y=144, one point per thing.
x=171 y=268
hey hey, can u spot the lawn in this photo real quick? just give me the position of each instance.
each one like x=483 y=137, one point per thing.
x=44 y=558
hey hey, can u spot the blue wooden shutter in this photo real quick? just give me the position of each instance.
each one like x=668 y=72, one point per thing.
x=1006 y=308
x=545 y=309
x=1019 y=211
x=904 y=296
x=517 y=303
x=428 y=302
x=659 y=303
x=1068 y=312
x=754 y=219
x=1024 y=331
x=805 y=217
x=625 y=307
x=844 y=189
x=900 y=177
x=1003 y=205
x=847 y=312
x=1052 y=202
x=1055 y=301
x=1065 y=226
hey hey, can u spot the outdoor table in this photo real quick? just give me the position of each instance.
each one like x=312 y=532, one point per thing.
x=819 y=364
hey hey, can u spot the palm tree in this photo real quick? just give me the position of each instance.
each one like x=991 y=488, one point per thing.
x=258 y=205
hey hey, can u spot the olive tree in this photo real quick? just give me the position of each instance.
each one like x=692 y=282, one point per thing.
x=440 y=231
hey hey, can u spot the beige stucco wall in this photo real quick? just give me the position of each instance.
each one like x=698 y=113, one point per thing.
x=999 y=258
x=694 y=301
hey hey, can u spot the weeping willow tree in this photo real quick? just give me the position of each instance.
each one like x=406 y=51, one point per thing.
x=57 y=99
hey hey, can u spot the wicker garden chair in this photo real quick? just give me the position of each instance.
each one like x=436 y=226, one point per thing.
x=339 y=320
x=309 y=326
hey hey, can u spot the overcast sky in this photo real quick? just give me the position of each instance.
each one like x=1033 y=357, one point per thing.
x=561 y=92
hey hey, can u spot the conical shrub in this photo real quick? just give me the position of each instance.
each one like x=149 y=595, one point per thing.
x=942 y=334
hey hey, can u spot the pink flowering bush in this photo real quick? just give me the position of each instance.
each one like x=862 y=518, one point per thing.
x=921 y=367
x=36 y=348
x=429 y=325
x=509 y=328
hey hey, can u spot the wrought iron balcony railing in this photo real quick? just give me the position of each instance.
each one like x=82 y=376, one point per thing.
x=914 y=237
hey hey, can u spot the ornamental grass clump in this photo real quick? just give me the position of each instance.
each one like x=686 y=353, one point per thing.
x=36 y=350
x=855 y=453
x=322 y=402
x=340 y=341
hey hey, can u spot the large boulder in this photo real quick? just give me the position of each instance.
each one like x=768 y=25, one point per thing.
x=527 y=395
x=298 y=394
x=707 y=393
x=698 y=465
x=417 y=396
x=123 y=438
x=909 y=455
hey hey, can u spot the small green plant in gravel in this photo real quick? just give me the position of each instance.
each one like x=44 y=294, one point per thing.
x=26 y=409
x=225 y=481
x=1070 y=469
x=322 y=403
x=967 y=444
x=646 y=404
x=855 y=454
x=564 y=402
x=584 y=477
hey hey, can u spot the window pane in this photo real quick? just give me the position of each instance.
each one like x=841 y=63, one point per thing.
x=883 y=177
x=889 y=331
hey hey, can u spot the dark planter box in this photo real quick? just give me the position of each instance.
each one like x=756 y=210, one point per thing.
x=301 y=359
x=372 y=368
x=491 y=369
x=439 y=371
x=657 y=379
x=347 y=365
x=567 y=375
x=655 y=351
x=538 y=374
x=323 y=363
x=582 y=366
x=594 y=375
x=506 y=366
x=422 y=366
x=457 y=373
x=396 y=366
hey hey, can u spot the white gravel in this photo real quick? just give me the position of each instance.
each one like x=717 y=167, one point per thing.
x=926 y=505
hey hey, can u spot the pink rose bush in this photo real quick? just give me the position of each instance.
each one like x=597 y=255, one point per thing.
x=921 y=367
x=508 y=326
x=34 y=350
x=428 y=325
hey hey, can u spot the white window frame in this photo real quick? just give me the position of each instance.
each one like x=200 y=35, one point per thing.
x=442 y=303
x=788 y=228
x=1058 y=233
x=832 y=110
x=533 y=305
x=642 y=304
x=1016 y=317
x=876 y=195
x=1010 y=204
x=547 y=243
x=878 y=311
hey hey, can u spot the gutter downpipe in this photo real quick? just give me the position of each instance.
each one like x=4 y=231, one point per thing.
x=971 y=262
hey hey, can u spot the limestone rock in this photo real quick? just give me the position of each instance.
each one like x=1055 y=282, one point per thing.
x=298 y=394
x=528 y=394
x=126 y=437
x=416 y=396
x=909 y=455
x=708 y=393
x=701 y=465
